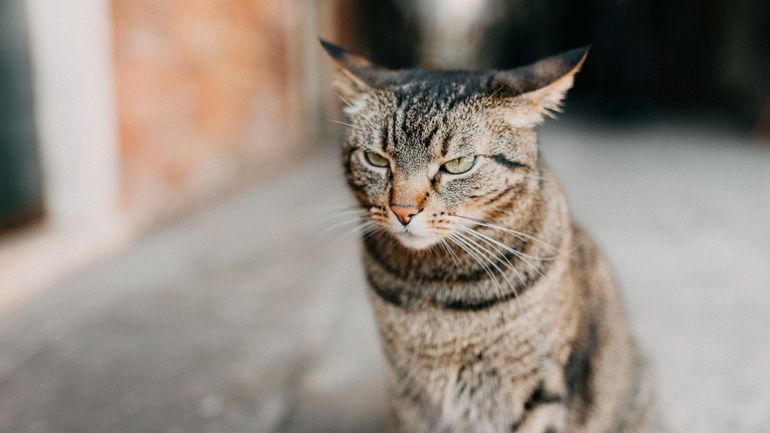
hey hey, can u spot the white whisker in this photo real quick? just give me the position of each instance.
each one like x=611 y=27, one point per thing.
x=482 y=260
x=340 y=224
x=344 y=100
x=494 y=259
x=521 y=311
x=451 y=253
x=346 y=124
x=508 y=248
x=518 y=234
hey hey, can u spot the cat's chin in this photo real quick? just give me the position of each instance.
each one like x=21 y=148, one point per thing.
x=416 y=242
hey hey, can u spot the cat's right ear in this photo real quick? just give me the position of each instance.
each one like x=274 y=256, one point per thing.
x=355 y=75
x=533 y=92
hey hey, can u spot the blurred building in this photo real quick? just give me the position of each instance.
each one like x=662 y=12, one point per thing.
x=120 y=114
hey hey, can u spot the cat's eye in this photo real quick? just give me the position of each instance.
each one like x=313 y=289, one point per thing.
x=375 y=159
x=459 y=165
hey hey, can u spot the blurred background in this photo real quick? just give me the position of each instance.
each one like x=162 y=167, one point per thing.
x=167 y=169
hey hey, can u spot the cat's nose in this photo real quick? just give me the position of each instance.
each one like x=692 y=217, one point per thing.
x=404 y=213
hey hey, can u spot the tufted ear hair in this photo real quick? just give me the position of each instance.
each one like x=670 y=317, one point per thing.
x=529 y=93
x=355 y=75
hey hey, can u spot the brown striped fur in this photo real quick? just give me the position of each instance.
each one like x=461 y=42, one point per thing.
x=495 y=311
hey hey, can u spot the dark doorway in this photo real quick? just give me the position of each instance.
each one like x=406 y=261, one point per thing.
x=707 y=59
x=21 y=198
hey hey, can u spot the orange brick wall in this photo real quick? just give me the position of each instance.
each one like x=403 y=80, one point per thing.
x=208 y=93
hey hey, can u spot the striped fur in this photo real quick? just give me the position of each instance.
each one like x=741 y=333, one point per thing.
x=495 y=311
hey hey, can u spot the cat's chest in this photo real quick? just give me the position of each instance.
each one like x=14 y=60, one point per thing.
x=468 y=393
x=479 y=396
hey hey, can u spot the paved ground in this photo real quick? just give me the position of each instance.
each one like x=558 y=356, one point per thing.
x=242 y=319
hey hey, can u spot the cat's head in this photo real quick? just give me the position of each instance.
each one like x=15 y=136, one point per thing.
x=430 y=151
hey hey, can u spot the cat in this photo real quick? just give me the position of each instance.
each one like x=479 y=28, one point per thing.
x=496 y=313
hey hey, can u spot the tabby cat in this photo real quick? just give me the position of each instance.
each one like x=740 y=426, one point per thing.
x=495 y=311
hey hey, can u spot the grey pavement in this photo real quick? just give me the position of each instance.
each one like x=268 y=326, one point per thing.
x=243 y=318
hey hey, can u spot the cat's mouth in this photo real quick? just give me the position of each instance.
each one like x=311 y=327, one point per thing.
x=415 y=241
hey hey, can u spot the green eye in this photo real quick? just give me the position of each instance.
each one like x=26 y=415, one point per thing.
x=375 y=159
x=459 y=165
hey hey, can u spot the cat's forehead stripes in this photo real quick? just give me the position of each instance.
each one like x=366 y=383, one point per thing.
x=421 y=127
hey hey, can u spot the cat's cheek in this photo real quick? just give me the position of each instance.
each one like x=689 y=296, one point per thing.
x=462 y=191
x=368 y=187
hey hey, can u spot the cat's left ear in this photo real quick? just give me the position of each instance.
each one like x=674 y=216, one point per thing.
x=530 y=93
x=355 y=75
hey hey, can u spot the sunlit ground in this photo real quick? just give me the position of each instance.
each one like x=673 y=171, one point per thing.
x=244 y=318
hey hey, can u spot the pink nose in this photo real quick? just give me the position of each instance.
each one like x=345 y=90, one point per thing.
x=404 y=213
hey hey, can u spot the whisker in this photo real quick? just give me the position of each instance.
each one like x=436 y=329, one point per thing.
x=350 y=105
x=497 y=245
x=508 y=248
x=500 y=256
x=344 y=100
x=354 y=228
x=520 y=310
x=324 y=214
x=492 y=256
x=332 y=227
x=345 y=210
x=332 y=216
x=448 y=249
x=364 y=230
x=346 y=124
x=482 y=260
x=520 y=235
x=538 y=178
x=491 y=95
x=433 y=253
x=332 y=207
x=504 y=260
x=372 y=230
